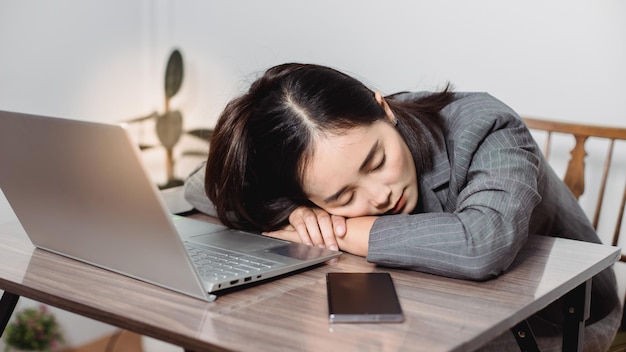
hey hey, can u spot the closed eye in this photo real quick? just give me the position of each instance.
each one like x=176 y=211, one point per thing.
x=346 y=203
x=381 y=164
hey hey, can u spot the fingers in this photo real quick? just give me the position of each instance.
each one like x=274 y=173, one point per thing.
x=305 y=221
x=339 y=225
x=326 y=230
x=314 y=227
x=288 y=234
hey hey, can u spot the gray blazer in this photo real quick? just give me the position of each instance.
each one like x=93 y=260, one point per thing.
x=489 y=188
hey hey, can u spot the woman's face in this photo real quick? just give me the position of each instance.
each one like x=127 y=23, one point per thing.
x=363 y=171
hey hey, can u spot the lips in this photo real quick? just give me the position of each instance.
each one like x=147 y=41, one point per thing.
x=400 y=205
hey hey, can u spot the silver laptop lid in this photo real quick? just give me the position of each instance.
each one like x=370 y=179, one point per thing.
x=60 y=175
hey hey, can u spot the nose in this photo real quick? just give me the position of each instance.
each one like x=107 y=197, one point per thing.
x=380 y=195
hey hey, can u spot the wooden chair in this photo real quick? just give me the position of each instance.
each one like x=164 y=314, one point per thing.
x=574 y=176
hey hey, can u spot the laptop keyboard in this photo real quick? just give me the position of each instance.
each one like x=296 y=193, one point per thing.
x=214 y=264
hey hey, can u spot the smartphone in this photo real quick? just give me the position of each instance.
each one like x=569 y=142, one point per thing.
x=362 y=298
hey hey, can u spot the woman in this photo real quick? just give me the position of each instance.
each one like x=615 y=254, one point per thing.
x=445 y=183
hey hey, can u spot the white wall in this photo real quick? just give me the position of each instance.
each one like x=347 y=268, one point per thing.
x=104 y=60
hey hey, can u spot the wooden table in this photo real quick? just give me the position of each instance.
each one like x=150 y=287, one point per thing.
x=290 y=313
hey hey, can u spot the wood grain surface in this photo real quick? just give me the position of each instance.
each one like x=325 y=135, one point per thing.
x=290 y=312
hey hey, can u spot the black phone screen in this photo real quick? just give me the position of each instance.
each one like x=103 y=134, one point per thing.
x=362 y=298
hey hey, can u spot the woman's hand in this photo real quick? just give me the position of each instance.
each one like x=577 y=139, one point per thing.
x=313 y=226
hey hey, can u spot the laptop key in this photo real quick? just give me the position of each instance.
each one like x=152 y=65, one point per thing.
x=215 y=263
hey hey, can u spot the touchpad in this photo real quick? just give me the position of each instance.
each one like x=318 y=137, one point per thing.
x=241 y=241
x=298 y=251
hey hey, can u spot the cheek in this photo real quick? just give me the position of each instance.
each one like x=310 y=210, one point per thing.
x=395 y=170
x=403 y=163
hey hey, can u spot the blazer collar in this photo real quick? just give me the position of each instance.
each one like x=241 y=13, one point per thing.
x=432 y=182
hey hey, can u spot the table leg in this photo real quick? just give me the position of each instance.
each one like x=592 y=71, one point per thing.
x=525 y=337
x=7 y=305
x=577 y=305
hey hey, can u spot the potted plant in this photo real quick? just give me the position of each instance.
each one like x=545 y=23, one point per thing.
x=33 y=329
x=169 y=124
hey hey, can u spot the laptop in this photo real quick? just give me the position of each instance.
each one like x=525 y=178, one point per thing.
x=79 y=189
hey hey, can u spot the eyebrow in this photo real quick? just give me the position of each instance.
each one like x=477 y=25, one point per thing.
x=364 y=164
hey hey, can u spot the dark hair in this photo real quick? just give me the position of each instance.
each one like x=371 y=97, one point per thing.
x=263 y=139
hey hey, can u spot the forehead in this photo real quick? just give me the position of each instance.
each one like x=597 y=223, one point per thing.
x=336 y=159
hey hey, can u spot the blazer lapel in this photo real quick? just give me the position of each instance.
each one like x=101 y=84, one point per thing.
x=434 y=183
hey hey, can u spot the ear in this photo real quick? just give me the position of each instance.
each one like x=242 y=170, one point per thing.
x=390 y=116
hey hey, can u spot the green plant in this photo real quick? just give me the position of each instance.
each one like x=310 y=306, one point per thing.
x=169 y=124
x=33 y=329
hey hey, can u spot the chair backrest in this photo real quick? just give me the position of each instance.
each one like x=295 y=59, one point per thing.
x=575 y=174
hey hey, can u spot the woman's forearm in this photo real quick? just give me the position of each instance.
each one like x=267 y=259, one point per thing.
x=357 y=235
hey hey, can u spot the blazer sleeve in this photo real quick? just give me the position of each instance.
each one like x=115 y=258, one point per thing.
x=194 y=191
x=491 y=193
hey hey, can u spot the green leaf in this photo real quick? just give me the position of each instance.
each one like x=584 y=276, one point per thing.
x=142 y=118
x=199 y=153
x=173 y=74
x=169 y=128
x=146 y=146
x=202 y=133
